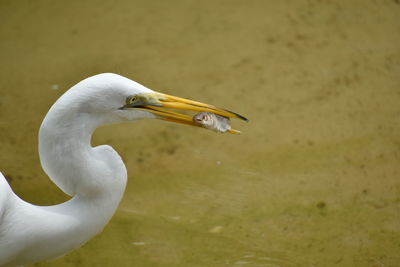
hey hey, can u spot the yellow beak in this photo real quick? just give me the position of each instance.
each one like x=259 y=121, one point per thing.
x=161 y=104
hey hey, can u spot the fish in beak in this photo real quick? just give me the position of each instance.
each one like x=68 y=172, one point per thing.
x=163 y=106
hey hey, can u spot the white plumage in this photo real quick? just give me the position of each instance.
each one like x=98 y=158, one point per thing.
x=95 y=177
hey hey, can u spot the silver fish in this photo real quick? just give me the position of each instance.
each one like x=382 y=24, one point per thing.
x=212 y=122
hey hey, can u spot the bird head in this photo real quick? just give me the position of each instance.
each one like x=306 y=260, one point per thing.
x=115 y=98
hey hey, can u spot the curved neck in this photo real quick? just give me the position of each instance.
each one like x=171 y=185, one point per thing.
x=96 y=174
x=69 y=159
x=95 y=177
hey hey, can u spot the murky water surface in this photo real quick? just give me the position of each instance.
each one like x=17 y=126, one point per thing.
x=314 y=180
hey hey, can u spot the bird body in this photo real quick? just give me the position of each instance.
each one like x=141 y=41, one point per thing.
x=95 y=177
x=34 y=233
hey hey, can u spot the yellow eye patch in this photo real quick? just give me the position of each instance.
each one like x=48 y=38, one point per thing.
x=149 y=99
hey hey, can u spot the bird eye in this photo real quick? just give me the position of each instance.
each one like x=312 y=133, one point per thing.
x=130 y=99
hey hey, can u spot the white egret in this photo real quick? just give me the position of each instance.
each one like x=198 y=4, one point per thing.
x=95 y=177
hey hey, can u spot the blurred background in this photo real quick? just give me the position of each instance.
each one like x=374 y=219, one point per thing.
x=314 y=180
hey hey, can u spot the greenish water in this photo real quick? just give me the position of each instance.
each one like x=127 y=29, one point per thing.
x=314 y=180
